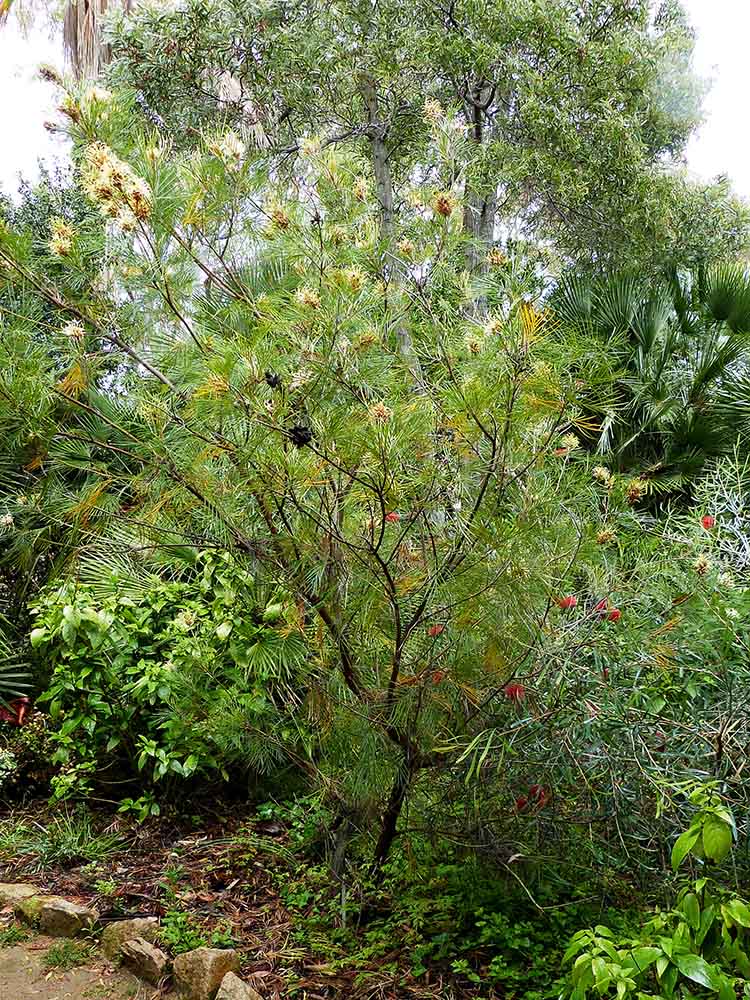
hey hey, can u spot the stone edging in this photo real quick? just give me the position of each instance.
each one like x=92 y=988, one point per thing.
x=201 y=974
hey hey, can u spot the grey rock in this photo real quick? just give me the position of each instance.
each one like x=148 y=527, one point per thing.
x=198 y=974
x=234 y=988
x=146 y=961
x=61 y=918
x=29 y=909
x=13 y=893
x=117 y=933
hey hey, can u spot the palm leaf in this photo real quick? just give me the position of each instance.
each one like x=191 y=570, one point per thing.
x=727 y=296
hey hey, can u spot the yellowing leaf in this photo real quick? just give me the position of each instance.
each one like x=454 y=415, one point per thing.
x=666 y=627
x=495 y=660
x=214 y=387
x=74 y=382
x=531 y=322
x=587 y=424
x=409 y=583
x=88 y=503
x=664 y=656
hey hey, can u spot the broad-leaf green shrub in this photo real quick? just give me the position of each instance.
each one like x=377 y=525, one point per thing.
x=164 y=683
x=701 y=944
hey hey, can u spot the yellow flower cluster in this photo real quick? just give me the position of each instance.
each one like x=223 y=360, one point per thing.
x=473 y=342
x=367 y=339
x=380 y=413
x=702 y=565
x=214 y=387
x=602 y=475
x=61 y=237
x=109 y=181
x=353 y=278
x=636 y=489
x=338 y=235
x=74 y=331
x=433 y=111
x=279 y=218
x=95 y=97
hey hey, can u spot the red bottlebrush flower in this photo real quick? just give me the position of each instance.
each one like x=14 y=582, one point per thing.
x=438 y=676
x=601 y=606
x=615 y=615
x=560 y=452
x=393 y=516
x=521 y=803
x=567 y=602
x=708 y=521
x=605 y=673
x=539 y=794
x=515 y=692
x=434 y=630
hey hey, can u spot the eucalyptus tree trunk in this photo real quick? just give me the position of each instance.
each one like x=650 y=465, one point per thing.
x=480 y=207
x=381 y=165
x=83 y=35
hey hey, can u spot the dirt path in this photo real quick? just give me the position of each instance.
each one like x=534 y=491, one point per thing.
x=23 y=976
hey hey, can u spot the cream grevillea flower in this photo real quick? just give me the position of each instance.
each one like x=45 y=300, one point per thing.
x=61 y=237
x=113 y=185
x=308 y=297
x=380 y=413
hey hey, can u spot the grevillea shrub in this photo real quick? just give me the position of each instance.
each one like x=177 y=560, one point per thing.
x=387 y=440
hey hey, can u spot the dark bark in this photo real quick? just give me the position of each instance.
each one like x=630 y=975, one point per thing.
x=389 y=823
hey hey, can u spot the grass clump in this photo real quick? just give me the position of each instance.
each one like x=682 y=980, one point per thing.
x=66 y=955
x=66 y=839
x=11 y=935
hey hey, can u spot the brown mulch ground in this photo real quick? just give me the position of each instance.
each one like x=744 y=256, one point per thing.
x=221 y=872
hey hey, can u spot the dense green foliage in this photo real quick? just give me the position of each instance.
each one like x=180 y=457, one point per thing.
x=180 y=678
x=681 y=396
x=313 y=485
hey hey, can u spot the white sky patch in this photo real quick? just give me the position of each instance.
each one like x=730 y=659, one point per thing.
x=721 y=146
x=26 y=102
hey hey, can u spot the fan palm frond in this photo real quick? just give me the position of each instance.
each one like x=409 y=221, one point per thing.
x=618 y=303
x=727 y=296
x=573 y=301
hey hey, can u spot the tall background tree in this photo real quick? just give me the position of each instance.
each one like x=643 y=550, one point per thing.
x=575 y=120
